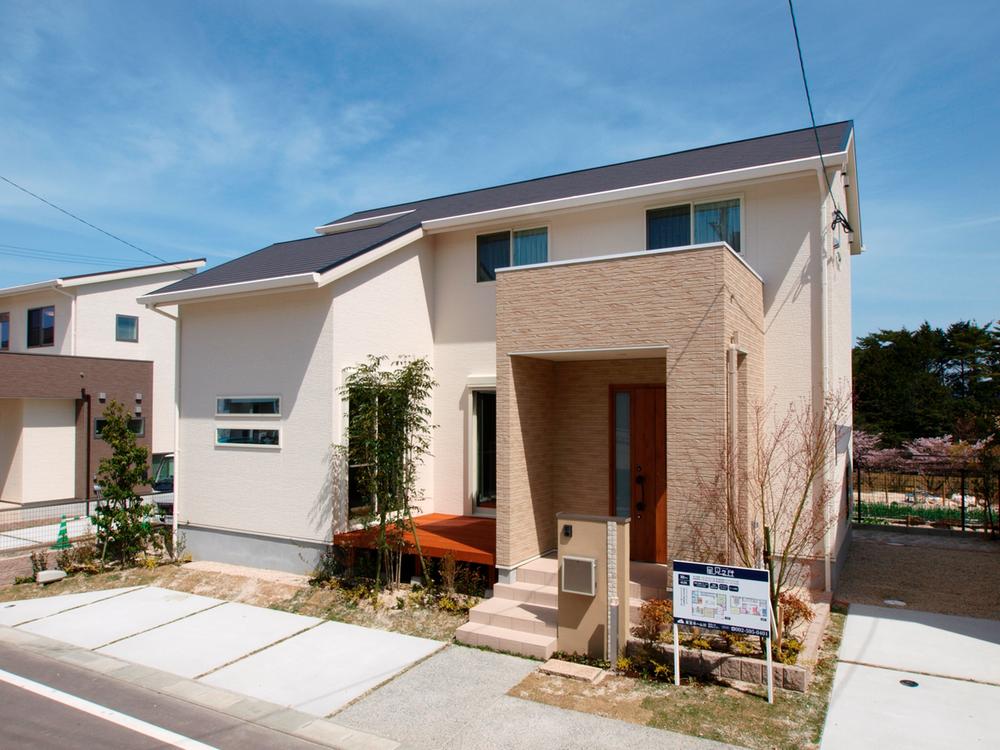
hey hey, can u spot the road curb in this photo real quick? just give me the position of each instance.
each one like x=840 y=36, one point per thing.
x=279 y=718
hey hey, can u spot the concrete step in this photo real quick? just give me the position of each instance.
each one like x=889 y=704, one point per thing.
x=648 y=580
x=503 y=639
x=515 y=615
x=634 y=605
x=532 y=593
x=543 y=571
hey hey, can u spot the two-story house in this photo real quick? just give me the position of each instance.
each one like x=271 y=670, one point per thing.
x=595 y=337
x=68 y=346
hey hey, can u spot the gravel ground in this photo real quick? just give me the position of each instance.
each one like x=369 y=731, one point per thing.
x=948 y=574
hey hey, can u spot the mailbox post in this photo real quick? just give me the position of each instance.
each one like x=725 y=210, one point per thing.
x=593 y=584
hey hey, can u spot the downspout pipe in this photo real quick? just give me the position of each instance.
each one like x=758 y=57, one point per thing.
x=72 y=317
x=177 y=419
x=824 y=355
x=732 y=371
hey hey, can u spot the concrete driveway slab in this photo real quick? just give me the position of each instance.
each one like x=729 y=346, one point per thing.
x=109 y=620
x=323 y=669
x=25 y=610
x=966 y=648
x=869 y=708
x=463 y=691
x=210 y=639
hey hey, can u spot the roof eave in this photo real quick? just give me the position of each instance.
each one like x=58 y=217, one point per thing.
x=239 y=288
x=635 y=191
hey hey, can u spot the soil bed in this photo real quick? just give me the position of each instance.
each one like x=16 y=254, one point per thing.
x=723 y=710
x=951 y=575
x=277 y=592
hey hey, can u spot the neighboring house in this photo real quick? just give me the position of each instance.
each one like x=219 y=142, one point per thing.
x=581 y=328
x=67 y=347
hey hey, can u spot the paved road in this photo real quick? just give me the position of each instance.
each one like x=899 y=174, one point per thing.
x=30 y=720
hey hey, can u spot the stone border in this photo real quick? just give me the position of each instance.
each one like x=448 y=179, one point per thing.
x=701 y=663
x=280 y=718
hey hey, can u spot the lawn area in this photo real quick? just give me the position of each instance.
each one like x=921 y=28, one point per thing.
x=284 y=592
x=726 y=711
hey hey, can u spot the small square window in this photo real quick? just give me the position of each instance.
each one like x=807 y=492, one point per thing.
x=42 y=326
x=126 y=328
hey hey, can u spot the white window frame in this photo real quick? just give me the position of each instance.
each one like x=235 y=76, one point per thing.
x=691 y=203
x=510 y=254
x=473 y=386
x=252 y=446
x=262 y=397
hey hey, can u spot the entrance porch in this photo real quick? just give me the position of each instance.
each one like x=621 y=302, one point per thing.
x=623 y=383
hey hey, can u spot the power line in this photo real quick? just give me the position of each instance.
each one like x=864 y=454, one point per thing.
x=21 y=251
x=838 y=215
x=93 y=226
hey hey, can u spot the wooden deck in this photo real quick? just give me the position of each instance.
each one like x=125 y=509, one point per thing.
x=467 y=538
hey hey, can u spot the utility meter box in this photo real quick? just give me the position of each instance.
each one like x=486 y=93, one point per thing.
x=593 y=584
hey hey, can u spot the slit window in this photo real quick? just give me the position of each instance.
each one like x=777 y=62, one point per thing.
x=485 y=411
x=256 y=406
x=4 y=331
x=247 y=436
x=136 y=425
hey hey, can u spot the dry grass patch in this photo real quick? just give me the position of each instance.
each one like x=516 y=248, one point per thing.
x=726 y=711
x=327 y=603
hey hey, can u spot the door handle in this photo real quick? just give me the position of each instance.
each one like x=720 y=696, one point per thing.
x=641 y=481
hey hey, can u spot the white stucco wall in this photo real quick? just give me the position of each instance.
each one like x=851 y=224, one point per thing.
x=96 y=308
x=10 y=449
x=269 y=345
x=386 y=308
x=48 y=449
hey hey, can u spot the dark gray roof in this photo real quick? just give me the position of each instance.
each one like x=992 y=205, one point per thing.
x=321 y=253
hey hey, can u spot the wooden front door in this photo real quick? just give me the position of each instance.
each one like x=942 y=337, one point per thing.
x=639 y=466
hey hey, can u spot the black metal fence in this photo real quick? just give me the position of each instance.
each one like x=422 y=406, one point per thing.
x=965 y=500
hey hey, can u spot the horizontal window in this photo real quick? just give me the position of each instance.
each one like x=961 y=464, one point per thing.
x=42 y=326
x=519 y=247
x=248 y=405
x=4 y=331
x=126 y=328
x=137 y=425
x=694 y=224
x=230 y=436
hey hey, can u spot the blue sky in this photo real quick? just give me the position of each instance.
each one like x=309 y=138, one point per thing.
x=216 y=128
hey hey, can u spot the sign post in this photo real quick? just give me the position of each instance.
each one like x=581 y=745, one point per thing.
x=723 y=597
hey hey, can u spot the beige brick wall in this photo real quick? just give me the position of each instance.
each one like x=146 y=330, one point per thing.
x=580 y=428
x=679 y=299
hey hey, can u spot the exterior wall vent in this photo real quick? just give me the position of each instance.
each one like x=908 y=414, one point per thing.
x=579 y=575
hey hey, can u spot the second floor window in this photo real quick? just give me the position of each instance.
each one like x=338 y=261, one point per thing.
x=4 y=331
x=694 y=224
x=126 y=328
x=42 y=326
x=519 y=247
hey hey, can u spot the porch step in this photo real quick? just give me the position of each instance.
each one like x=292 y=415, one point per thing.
x=503 y=639
x=544 y=571
x=531 y=593
x=649 y=580
x=515 y=615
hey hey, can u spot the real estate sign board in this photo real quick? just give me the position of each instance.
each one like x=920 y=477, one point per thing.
x=722 y=597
